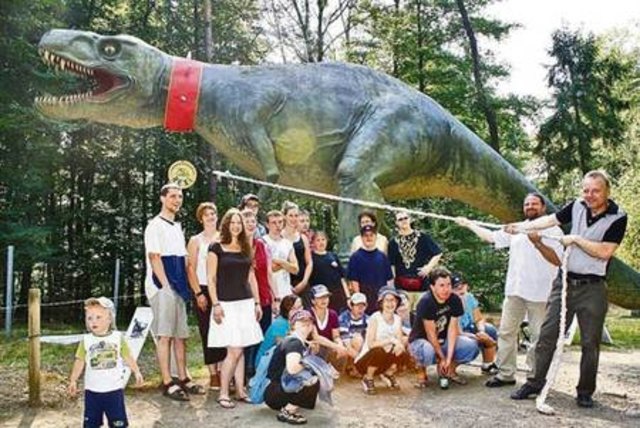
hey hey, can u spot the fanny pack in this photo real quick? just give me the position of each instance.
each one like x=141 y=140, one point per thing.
x=409 y=283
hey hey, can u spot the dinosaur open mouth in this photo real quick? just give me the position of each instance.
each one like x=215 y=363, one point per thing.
x=102 y=83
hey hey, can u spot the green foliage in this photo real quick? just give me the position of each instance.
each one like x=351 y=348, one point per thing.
x=591 y=94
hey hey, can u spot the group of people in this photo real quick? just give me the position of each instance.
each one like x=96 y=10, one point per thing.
x=278 y=292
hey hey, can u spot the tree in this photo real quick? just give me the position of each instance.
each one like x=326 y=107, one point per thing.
x=590 y=97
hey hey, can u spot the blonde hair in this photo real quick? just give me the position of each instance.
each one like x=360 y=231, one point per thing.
x=203 y=207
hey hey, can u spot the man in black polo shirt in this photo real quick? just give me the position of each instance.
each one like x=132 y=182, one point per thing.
x=597 y=228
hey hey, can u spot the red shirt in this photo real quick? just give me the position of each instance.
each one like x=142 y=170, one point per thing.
x=262 y=275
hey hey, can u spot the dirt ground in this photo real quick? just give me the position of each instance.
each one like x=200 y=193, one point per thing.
x=473 y=405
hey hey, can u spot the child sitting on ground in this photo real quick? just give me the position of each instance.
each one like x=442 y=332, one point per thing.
x=102 y=351
x=353 y=326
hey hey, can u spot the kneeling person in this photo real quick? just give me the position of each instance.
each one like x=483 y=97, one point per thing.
x=435 y=335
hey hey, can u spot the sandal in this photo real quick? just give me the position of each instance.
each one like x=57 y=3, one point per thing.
x=226 y=403
x=244 y=399
x=458 y=379
x=191 y=387
x=175 y=392
x=390 y=380
x=291 y=418
x=421 y=382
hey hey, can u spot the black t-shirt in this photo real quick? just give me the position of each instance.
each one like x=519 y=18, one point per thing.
x=431 y=310
x=327 y=270
x=233 y=275
x=279 y=359
x=408 y=253
x=298 y=249
x=616 y=231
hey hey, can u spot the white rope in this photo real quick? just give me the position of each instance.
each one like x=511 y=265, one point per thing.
x=334 y=198
x=67 y=302
x=369 y=204
x=552 y=373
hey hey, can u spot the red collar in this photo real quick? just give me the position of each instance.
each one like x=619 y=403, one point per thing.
x=182 y=97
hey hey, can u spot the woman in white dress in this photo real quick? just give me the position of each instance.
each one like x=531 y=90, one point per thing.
x=235 y=301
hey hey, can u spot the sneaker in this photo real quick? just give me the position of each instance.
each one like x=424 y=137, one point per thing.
x=496 y=382
x=584 y=400
x=443 y=382
x=525 y=391
x=390 y=380
x=489 y=369
x=291 y=418
x=368 y=386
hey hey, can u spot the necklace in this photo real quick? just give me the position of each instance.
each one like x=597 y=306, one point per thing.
x=408 y=245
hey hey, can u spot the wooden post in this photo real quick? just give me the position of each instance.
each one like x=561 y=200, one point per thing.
x=34 y=347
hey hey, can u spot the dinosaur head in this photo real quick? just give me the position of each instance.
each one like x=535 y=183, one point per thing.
x=127 y=78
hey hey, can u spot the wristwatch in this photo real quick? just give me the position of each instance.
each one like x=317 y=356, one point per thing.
x=200 y=293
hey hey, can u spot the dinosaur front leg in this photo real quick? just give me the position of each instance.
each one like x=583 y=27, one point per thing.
x=263 y=147
x=356 y=181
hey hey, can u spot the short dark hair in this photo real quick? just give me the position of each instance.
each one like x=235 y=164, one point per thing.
x=537 y=195
x=368 y=213
x=439 y=272
x=286 y=304
x=164 y=190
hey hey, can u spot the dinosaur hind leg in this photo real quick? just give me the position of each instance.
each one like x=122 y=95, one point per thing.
x=370 y=155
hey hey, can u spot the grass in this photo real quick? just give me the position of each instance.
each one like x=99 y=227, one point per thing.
x=14 y=354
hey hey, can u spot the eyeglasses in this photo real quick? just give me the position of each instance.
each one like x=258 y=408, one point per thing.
x=402 y=218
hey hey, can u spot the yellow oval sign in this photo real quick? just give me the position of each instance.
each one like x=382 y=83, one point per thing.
x=183 y=173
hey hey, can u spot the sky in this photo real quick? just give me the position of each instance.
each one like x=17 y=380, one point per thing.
x=525 y=49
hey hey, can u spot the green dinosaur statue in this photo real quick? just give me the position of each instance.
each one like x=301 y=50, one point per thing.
x=336 y=128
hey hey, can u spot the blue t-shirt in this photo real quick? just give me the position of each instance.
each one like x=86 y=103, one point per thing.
x=470 y=304
x=279 y=328
x=371 y=268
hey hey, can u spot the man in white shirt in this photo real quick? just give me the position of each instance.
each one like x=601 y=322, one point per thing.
x=283 y=258
x=167 y=290
x=533 y=265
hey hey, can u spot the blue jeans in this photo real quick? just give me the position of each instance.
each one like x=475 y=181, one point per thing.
x=466 y=350
x=489 y=329
x=98 y=404
x=292 y=383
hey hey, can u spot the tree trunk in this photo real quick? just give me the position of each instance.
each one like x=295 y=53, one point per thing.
x=208 y=52
x=420 y=44
x=489 y=113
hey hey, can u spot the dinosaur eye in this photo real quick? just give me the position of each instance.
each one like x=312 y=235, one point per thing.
x=110 y=49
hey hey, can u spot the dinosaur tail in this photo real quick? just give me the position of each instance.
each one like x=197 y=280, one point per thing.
x=490 y=183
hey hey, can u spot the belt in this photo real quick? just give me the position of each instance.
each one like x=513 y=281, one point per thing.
x=584 y=281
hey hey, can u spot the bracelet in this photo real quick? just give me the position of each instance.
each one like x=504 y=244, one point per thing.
x=257 y=303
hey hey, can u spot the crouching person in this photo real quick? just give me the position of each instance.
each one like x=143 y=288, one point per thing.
x=383 y=350
x=435 y=336
x=287 y=361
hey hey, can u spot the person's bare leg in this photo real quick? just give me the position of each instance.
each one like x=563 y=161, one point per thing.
x=228 y=368
x=238 y=375
x=163 y=352
x=181 y=357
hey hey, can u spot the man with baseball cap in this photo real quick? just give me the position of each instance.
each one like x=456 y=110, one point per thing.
x=369 y=268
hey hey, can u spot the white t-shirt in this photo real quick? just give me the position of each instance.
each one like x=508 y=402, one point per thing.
x=529 y=275
x=384 y=331
x=163 y=237
x=280 y=249
x=104 y=368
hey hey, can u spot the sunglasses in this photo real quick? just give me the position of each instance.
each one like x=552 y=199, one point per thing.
x=402 y=218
